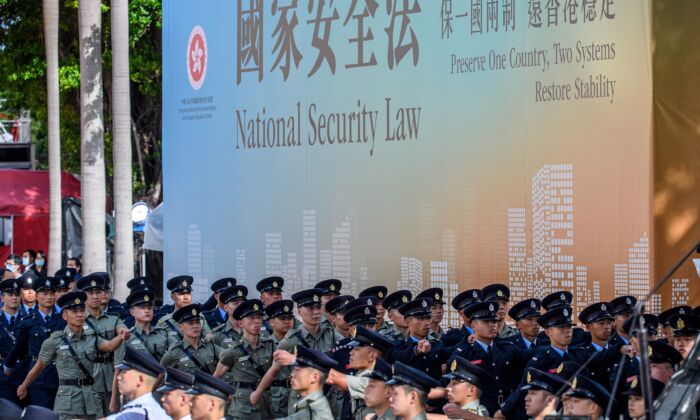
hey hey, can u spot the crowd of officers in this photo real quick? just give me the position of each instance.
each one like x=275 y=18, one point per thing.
x=65 y=345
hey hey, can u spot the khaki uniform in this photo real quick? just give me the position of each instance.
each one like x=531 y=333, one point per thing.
x=420 y=416
x=387 y=329
x=388 y=415
x=247 y=366
x=225 y=336
x=105 y=326
x=356 y=388
x=72 y=400
x=280 y=388
x=324 y=340
x=314 y=406
x=476 y=408
x=508 y=331
x=185 y=357
x=167 y=323
x=436 y=336
x=154 y=343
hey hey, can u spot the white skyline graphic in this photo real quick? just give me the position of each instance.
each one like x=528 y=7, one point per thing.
x=538 y=258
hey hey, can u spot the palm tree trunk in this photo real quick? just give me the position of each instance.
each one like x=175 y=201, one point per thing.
x=121 y=148
x=92 y=159
x=50 y=10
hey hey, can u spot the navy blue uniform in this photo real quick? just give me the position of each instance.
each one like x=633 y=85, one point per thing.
x=505 y=364
x=31 y=333
x=602 y=363
x=430 y=363
x=8 y=335
x=214 y=318
x=579 y=336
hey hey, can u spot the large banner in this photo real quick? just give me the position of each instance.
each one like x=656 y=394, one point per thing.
x=410 y=143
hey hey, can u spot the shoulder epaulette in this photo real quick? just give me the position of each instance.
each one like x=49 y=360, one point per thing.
x=58 y=333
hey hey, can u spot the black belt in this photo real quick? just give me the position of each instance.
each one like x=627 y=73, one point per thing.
x=246 y=385
x=105 y=358
x=77 y=382
x=280 y=384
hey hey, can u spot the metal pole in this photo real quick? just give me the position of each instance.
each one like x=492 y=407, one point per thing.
x=644 y=374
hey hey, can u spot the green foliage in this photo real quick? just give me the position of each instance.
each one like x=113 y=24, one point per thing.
x=23 y=82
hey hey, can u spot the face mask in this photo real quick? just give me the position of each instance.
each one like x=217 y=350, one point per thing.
x=39 y=263
x=25 y=261
x=9 y=267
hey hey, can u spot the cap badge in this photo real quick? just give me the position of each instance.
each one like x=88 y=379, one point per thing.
x=453 y=367
x=573 y=384
x=14 y=285
x=681 y=311
x=680 y=324
x=77 y=301
x=634 y=383
x=529 y=377
x=562 y=296
x=315 y=298
x=332 y=287
x=425 y=304
x=255 y=307
x=491 y=307
x=142 y=282
x=499 y=292
x=602 y=307
x=194 y=311
x=367 y=311
x=533 y=305
x=48 y=282
x=274 y=283
x=650 y=351
x=240 y=293
x=565 y=312
x=229 y=284
x=286 y=308
x=437 y=296
x=146 y=298
x=629 y=301
x=380 y=294
x=474 y=294
x=184 y=283
x=560 y=368
x=93 y=283
x=404 y=298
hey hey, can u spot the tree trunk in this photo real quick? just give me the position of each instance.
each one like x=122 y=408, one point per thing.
x=92 y=160
x=50 y=10
x=121 y=148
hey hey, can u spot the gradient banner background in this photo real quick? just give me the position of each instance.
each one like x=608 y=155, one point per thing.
x=499 y=184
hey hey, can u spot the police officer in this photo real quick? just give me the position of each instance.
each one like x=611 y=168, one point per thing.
x=208 y=396
x=9 y=332
x=175 y=401
x=63 y=286
x=335 y=309
x=437 y=311
x=417 y=350
x=143 y=336
x=248 y=360
x=281 y=318
x=96 y=287
x=181 y=293
x=500 y=294
x=32 y=332
x=557 y=325
x=309 y=372
x=230 y=331
x=685 y=332
x=310 y=333
x=665 y=318
x=218 y=315
x=410 y=392
x=379 y=293
x=622 y=310
x=27 y=293
x=392 y=303
x=367 y=346
x=69 y=272
x=456 y=336
x=635 y=400
x=598 y=355
x=137 y=375
x=132 y=284
x=586 y=398
x=72 y=350
x=558 y=300
x=499 y=357
x=525 y=314
x=193 y=352
x=542 y=393
x=465 y=381
x=331 y=289
x=378 y=393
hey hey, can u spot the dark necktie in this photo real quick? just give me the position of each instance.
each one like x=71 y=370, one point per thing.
x=12 y=322
x=47 y=318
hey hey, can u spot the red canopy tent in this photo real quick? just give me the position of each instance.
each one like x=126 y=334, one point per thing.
x=24 y=196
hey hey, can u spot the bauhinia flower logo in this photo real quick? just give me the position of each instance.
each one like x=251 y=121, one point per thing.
x=197 y=57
